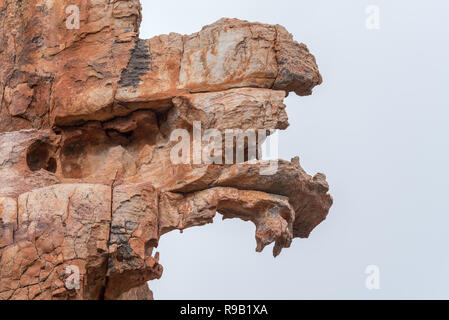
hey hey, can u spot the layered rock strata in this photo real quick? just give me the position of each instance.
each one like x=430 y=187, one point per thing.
x=88 y=184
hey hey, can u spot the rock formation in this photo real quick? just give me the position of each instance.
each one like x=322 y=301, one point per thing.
x=87 y=182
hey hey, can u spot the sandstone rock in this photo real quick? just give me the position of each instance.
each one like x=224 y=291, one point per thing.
x=133 y=236
x=8 y=219
x=245 y=108
x=307 y=195
x=57 y=227
x=88 y=183
x=138 y=293
x=272 y=214
x=23 y=154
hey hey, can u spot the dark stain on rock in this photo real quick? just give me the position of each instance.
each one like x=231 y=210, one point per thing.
x=138 y=65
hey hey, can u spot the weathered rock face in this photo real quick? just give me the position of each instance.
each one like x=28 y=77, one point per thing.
x=88 y=180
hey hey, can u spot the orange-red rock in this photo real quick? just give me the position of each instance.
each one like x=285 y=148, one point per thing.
x=87 y=182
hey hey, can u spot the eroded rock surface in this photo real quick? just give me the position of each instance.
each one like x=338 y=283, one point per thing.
x=88 y=184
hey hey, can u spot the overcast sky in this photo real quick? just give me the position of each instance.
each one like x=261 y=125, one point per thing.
x=378 y=127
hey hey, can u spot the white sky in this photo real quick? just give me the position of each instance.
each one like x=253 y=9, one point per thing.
x=377 y=127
